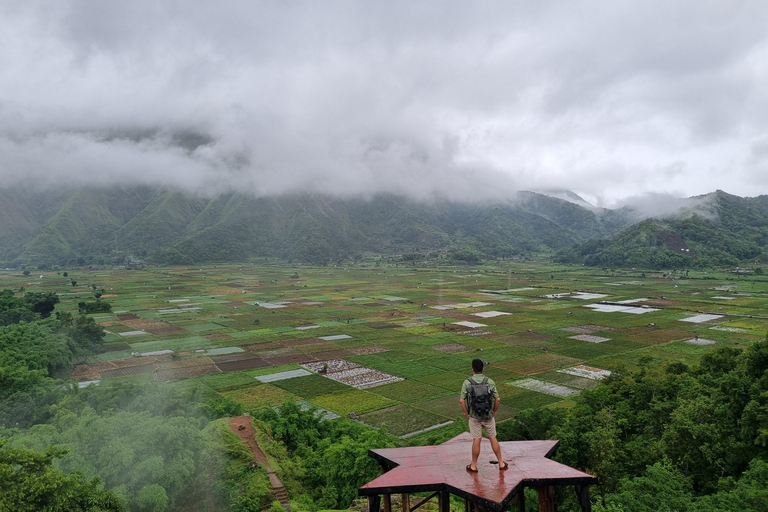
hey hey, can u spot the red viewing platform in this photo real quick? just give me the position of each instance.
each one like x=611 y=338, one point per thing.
x=442 y=470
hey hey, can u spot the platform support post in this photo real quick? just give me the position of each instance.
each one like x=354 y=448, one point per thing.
x=582 y=492
x=406 y=503
x=374 y=503
x=547 y=499
x=387 y=503
x=444 y=501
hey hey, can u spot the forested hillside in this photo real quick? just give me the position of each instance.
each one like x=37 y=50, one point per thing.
x=103 y=226
x=723 y=230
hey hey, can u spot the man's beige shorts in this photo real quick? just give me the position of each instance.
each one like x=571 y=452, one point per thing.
x=476 y=427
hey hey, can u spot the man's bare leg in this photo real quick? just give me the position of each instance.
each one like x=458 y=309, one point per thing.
x=475 y=452
x=496 y=450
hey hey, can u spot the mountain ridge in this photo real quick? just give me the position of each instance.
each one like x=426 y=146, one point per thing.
x=119 y=224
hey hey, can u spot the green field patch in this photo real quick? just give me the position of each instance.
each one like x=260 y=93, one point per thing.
x=330 y=323
x=451 y=381
x=499 y=374
x=311 y=386
x=410 y=391
x=495 y=355
x=525 y=399
x=204 y=328
x=226 y=381
x=748 y=323
x=113 y=355
x=447 y=406
x=421 y=329
x=354 y=400
x=459 y=362
x=175 y=344
x=405 y=369
x=118 y=344
x=584 y=350
x=259 y=395
x=568 y=380
x=476 y=342
x=401 y=419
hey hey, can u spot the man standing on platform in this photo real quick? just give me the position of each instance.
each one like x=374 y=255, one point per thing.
x=480 y=400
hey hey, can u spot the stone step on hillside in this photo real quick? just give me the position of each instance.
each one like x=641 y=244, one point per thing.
x=282 y=497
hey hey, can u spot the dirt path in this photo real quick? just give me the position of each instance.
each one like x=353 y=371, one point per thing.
x=242 y=426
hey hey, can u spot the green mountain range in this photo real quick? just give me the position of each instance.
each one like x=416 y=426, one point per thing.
x=718 y=229
x=119 y=224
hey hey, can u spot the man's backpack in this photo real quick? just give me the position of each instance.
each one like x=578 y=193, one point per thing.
x=480 y=396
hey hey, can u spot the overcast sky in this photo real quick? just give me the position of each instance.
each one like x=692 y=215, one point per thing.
x=610 y=99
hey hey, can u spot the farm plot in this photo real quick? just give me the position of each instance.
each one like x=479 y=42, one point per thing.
x=310 y=386
x=259 y=395
x=538 y=363
x=545 y=387
x=402 y=420
x=363 y=378
x=355 y=400
x=410 y=391
x=185 y=372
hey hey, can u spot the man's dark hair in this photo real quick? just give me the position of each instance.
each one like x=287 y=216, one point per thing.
x=477 y=365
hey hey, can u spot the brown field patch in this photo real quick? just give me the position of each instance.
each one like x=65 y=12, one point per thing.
x=324 y=347
x=109 y=295
x=185 y=363
x=525 y=339
x=294 y=358
x=84 y=372
x=180 y=373
x=257 y=347
x=129 y=370
x=138 y=361
x=240 y=356
x=537 y=364
x=331 y=354
x=301 y=341
x=243 y=364
x=452 y=348
x=162 y=328
x=662 y=303
x=224 y=291
x=370 y=349
x=652 y=335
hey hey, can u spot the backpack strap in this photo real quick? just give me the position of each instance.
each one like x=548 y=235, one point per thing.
x=485 y=380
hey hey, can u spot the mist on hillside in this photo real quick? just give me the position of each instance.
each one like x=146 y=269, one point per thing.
x=450 y=101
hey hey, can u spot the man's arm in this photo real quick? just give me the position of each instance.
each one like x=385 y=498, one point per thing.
x=496 y=405
x=464 y=407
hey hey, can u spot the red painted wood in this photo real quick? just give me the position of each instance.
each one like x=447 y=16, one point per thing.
x=443 y=466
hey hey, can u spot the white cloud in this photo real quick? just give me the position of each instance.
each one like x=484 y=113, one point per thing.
x=470 y=101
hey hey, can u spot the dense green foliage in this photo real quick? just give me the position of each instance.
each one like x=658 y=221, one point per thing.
x=326 y=461
x=29 y=483
x=696 y=435
x=147 y=443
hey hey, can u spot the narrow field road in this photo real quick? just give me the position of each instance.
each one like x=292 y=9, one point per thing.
x=242 y=426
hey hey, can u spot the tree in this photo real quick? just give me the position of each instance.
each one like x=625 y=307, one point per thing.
x=28 y=483
x=26 y=272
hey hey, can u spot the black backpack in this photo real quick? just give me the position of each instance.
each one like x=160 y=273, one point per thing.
x=480 y=396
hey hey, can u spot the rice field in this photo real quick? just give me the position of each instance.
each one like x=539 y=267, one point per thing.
x=393 y=343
